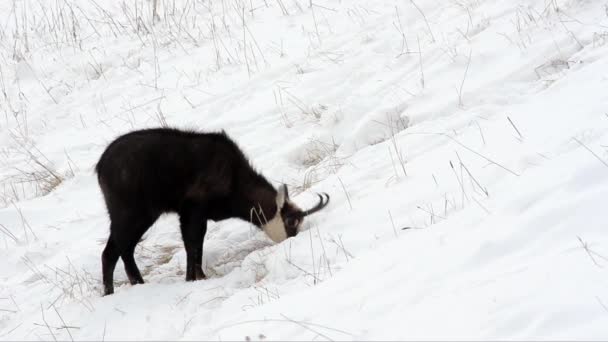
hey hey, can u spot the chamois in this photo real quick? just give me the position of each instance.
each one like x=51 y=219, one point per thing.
x=199 y=176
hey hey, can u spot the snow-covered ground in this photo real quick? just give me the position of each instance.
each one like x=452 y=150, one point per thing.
x=479 y=125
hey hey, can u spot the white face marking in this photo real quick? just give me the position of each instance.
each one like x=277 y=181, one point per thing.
x=275 y=228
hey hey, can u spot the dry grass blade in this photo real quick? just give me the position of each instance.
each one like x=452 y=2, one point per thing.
x=405 y=49
x=314 y=18
x=47 y=324
x=473 y=179
x=8 y=233
x=480 y=155
x=44 y=177
x=425 y=20
x=420 y=62
x=464 y=194
x=590 y=252
x=464 y=77
x=307 y=328
x=515 y=127
x=601 y=303
x=63 y=322
x=10 y=331
x=24 y=222
x=590 y=151
x=288 y=320
x=346 y=193
x=483 y=139
x=324 y=253
x=314 y=276
x=312 y=253
x=393 y=223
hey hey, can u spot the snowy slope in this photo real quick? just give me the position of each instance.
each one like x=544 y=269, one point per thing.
x=481 y=126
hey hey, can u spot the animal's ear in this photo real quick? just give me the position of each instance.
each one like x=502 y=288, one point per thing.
x=282 y=196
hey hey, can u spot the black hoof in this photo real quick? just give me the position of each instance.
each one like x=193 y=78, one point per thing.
x=200 y=275
x=135 y=281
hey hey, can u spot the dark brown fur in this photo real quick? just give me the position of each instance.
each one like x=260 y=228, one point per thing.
x=200 y=176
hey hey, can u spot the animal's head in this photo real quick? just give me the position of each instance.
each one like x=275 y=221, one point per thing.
x=289 y=217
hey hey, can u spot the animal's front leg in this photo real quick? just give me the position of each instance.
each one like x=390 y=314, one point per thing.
x=191 y=219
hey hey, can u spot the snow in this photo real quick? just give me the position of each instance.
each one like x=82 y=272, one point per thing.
x=479 y=125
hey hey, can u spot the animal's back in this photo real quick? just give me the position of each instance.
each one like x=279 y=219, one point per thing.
x=162 y=165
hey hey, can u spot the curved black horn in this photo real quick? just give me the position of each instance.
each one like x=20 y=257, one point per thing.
x=322 y=203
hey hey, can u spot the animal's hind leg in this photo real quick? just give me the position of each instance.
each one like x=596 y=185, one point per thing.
x=198 y=267
x=198 y=260
x=109 y=258
x=128 y=256
x=131 y=232
x=131 y=268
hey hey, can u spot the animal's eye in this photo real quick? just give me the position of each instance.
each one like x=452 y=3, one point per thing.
x=292 y=222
